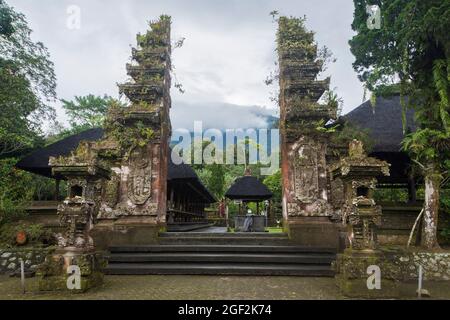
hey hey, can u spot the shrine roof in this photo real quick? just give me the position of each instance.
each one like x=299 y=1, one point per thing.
x=248 y=188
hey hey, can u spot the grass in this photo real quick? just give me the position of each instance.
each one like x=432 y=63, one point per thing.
x=269 y=229
x=274 y=230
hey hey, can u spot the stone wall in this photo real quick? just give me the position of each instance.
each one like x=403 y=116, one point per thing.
x=397 y=267
x=396 y=264
x=10 y=259
x=436 y=265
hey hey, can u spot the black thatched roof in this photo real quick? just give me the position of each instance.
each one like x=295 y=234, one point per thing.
x=37 y=162
x=248 y=188
x=184 y=174
x=384 y=122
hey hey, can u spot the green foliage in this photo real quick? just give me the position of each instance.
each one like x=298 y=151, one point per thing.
x=36 y=234
x=332 y=100
x=6 y=26
x=445 y=207
x=410 y=55
x=292 y=35
x=391 y=195
x=273 y=182
x=428 y=144
x=15 y=191
x=346 y=132
x=84 y=113
x=27 y=83
x=89 y=110
x=216 y=183
x=127 y=136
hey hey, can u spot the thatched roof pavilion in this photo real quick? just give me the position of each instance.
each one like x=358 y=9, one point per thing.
x=248 y=189
x=384 y=125
x=37 y=162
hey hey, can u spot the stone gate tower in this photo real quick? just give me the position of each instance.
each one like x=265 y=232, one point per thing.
x=306 y=205
x=136 y=142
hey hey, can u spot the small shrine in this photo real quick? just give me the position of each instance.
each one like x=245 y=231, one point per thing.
x=362 y=216
x=360 y=213
x=245 y=190
x=85 y=176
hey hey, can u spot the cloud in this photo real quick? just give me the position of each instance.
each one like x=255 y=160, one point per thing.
x=218 y=115
x=229 y=48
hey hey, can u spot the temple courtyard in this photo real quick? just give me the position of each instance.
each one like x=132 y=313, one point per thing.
x=204 y=288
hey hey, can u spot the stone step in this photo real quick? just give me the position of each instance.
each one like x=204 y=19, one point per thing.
x=274 y=258
x=219 y=269
x=183 y=228
x=220 y=249
x=247 y=235
x=258 y=241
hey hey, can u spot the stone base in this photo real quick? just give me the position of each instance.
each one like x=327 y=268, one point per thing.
x=129 y=231
x=357 y=288
x=53 y=273
x=313 y=232
x=352 y=275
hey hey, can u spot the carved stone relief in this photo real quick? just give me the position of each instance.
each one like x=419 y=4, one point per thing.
x=139 y=181
x=306 y=184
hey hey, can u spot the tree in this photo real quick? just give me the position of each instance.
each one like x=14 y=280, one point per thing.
x=409 y=55
x=273 y=182
x=84 y=112
x=27 y=84
x=216 y=183
x=88 y=111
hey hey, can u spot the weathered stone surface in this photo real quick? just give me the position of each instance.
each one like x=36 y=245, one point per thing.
x=135 y=198
x=359 y=212
x=53 y=273
x=10 y=259
x=396 y=265
x=304 y=168
x=12 y=266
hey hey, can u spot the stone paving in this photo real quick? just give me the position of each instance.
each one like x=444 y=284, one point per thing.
x=187 y=288
x=203 y=288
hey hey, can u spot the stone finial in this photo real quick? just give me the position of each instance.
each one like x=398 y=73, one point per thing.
x=356 y=149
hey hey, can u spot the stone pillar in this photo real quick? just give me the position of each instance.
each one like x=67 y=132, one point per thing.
x=306 y=204
x=134 y=208
x=75 y=265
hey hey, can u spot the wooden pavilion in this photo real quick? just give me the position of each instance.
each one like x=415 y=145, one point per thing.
x=249 y=189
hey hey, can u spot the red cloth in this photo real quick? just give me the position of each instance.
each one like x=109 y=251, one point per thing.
x=222 y=209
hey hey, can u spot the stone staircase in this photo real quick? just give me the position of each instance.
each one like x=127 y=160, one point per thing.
x=221 y=254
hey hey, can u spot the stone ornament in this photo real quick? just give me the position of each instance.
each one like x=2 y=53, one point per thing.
x=360 y=213
x=139 y=180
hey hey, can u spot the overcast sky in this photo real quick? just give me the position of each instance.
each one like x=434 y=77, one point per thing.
x=228 y=52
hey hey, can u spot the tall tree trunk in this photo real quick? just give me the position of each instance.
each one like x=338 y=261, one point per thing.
x=431 y=207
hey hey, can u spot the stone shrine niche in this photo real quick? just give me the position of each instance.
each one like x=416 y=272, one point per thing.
x=139 y=181
x=85 y=176
x=359 y=173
